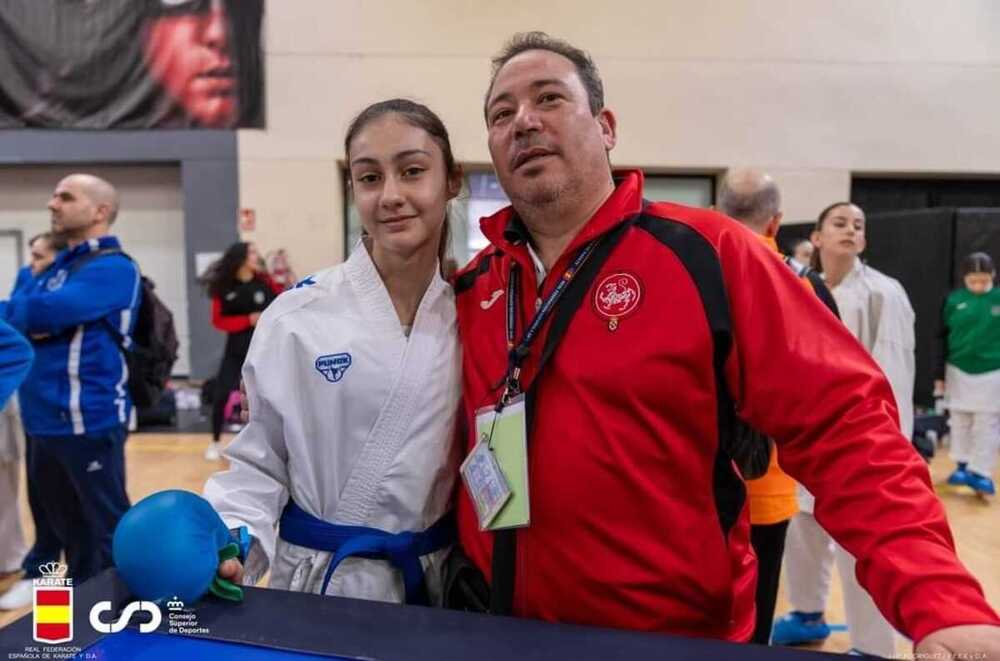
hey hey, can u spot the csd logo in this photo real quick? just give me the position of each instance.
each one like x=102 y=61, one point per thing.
x=114 y=627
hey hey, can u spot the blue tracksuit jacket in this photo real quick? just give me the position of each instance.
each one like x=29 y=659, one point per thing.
x=78 y=384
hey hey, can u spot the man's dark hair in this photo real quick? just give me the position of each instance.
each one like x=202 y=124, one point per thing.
x=535 y=40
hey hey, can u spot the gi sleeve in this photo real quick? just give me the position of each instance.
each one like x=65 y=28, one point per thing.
x=894 y=346
x=254 y=491
x=799 y=376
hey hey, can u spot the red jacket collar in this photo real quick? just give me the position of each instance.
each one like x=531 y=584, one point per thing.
x=507 y=232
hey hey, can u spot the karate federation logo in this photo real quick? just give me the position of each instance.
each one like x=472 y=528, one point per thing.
x=617 y=296
x=57 y=281
x=332 y=366
x=53 y=605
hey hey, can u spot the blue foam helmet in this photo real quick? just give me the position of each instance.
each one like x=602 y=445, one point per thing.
x=169 y=545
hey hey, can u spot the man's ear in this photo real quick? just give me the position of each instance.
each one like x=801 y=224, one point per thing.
x=609 y=128
x=773 y=225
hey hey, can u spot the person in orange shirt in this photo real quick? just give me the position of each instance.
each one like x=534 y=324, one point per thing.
x=752 y=198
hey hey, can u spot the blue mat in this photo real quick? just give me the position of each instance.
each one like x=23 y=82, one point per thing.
x=137 y=646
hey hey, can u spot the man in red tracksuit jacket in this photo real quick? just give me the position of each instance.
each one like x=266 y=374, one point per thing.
x=638 y=516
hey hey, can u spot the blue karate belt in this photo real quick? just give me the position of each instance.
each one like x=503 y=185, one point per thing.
x=402 y=549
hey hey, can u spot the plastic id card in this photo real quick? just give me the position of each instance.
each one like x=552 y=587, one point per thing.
x=505 y=434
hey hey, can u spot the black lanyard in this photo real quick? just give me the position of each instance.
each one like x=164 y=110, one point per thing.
x=517 y=354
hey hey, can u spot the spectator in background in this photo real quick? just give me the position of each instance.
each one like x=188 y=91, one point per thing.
x=970 y=381
x=876 y=310
x=802 y=252
x=240 y=290
x=42 y=250
x=752 y=198
x=201 y=52
x=78 y=314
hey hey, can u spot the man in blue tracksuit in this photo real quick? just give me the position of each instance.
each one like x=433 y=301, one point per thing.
x=78 y=314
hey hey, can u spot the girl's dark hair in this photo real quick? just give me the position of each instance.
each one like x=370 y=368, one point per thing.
x=814 y=261
x=422 y=117
x=978 y=262
x=220 y=276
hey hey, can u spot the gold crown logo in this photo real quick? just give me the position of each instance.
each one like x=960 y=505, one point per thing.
x=53 y=569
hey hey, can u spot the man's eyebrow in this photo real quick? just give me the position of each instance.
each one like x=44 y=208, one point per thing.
x=535 y=84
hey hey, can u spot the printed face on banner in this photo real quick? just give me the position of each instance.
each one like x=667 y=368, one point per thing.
x=190 y=55
x=131 y=65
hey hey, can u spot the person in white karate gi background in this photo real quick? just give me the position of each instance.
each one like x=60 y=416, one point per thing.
x=970 y=365
x=877 y=311
x=353 y=381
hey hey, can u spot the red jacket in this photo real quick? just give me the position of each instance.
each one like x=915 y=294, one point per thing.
x=237 y=323
x=628 y=503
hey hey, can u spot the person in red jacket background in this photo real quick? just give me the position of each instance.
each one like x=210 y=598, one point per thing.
x=240 y=289
x=636 y=514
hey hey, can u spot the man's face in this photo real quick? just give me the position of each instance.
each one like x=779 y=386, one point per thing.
x=41 y=255
x=72 y=210
x=543 y=139
x=188 y=52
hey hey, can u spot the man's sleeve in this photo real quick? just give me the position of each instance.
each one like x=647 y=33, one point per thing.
x=15 y=361
x=103 y=286
x=800 y=377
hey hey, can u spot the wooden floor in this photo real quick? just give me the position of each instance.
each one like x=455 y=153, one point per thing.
x=165 y=461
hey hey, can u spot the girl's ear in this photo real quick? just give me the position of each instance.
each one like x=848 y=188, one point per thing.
x=455 y=180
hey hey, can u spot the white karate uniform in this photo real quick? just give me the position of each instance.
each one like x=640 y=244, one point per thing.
x=371 y=445
x=974 y=403
x=877 y=311
x=12 y=544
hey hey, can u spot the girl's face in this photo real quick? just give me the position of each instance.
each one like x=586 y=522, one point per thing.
x=253 y=258
x=400 y=186
x=979 y=283
x=842 y=233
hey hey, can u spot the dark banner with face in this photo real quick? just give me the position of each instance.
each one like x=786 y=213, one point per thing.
x=131 y=64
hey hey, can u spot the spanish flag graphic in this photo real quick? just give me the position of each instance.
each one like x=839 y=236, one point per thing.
x=53 y=614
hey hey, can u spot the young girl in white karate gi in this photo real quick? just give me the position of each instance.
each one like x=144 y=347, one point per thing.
x=971 y=384
x=876 y=310
x=345 y=472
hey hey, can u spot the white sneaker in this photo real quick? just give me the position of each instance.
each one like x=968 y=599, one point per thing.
x=18 y=596
x=212 y=452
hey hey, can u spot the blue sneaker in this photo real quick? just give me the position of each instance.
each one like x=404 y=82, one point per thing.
x=981 y=484
x=960 y=477
x=799 y=628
